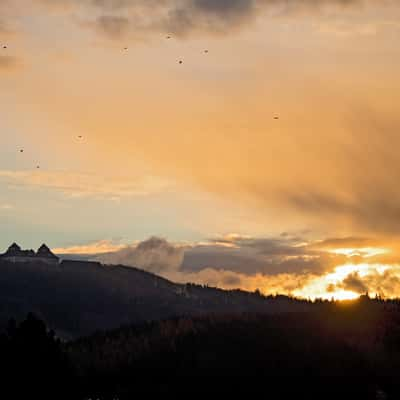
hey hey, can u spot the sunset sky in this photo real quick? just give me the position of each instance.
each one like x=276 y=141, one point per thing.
x=268 y=158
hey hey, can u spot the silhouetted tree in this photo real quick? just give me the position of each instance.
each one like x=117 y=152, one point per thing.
x=33 y=361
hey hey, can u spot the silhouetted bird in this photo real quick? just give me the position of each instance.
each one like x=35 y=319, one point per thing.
x=21 y=151
x=38 y=167
x=205 y=51
x=276 y=117
x=4 y=47
x=180 y=62
x=168 y=37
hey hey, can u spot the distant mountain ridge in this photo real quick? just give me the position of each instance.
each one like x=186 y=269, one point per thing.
x=78 y=297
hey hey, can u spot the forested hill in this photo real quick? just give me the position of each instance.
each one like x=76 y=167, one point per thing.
x=337 y=351
x=77 y=298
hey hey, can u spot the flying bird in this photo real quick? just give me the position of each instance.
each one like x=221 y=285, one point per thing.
x=276 y=117
x=21 y=151
x=205 y=51
x=180 y=62
x=168 y=37
x=4 y=47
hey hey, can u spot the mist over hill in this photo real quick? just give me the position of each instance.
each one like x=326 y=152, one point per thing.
x=79 y=297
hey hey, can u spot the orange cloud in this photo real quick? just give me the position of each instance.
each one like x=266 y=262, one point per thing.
x=96 y=248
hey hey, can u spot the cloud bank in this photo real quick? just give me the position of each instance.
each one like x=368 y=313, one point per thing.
x=118 y=18
x=215 y=264
x=154 y=255
x=273 y=265
x=187 y=17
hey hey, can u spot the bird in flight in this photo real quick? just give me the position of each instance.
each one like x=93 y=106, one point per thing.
x=180 y=62
x=21 y=151
x=205 y=51
x=276 y=117
x=4 y=47
x=168 y=37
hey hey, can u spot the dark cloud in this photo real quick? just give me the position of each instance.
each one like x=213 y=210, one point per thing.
x=183 y=17
x=155 y=255
x=354 y=283
x=200 y=257
x=270 y=256
x=247 y=262
x=279 y=245
x=113 y=26
x=112 y=4
x=330 y=288
x=179 y=18
x=385 y=284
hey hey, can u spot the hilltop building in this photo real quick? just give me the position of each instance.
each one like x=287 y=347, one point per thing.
x=16 y=255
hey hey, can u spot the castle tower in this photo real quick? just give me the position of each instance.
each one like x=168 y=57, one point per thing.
x=13 y=250
x=16 y=255
x=43 y=250
x=46 y=255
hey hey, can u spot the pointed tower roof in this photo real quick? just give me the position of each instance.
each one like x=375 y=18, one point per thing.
x=14 y=249
x=44 y=251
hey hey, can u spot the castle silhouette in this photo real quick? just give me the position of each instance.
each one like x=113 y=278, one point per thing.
x=16 y=255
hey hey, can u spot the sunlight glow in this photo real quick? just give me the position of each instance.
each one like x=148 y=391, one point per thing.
x=332 y=285
x=364 y=252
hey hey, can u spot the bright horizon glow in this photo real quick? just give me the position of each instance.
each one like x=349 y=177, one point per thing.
x=319 y=287
x=331 y=285
x=360 y=251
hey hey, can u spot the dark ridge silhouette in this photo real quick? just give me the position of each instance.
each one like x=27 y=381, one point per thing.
x=79 y=297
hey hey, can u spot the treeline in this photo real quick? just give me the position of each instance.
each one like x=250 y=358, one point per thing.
x=339 y=350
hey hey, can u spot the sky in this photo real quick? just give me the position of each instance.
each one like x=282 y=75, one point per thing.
x=235 y=143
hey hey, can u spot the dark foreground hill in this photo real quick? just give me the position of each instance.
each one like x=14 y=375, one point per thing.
x=78 y=298
x=349 y=351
